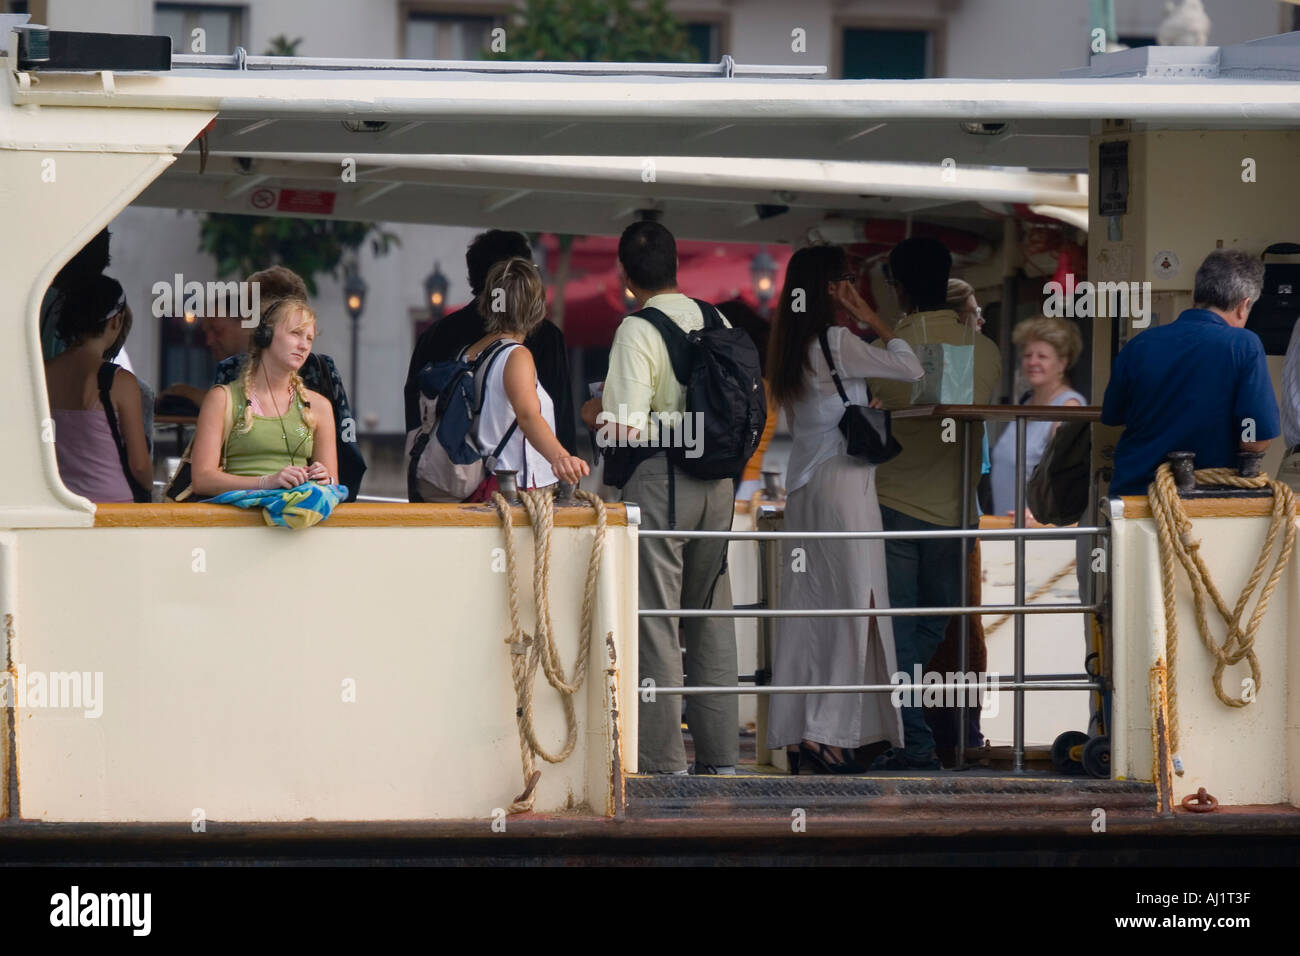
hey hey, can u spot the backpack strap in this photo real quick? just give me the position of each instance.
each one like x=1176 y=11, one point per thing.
x=228 y=423
x=678 y=341
x=679 y=346
x=712 y=314
x=487 y=358
x=107 y=371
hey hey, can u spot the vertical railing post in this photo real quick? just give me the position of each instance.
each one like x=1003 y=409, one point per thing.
x=1018 y=710
x=769 y=570
x=963 y=644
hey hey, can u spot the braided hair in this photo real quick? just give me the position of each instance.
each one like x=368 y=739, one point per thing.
x=276 y=311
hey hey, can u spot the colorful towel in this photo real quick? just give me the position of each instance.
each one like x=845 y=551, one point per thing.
x=300 y=507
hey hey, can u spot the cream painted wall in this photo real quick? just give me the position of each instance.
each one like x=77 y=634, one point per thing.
x=1240 y=755
x=224 y=666
x=71 y=198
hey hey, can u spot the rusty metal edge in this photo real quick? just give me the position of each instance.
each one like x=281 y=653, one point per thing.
x=1282 y=821
x=8 y=729
x=617 y=805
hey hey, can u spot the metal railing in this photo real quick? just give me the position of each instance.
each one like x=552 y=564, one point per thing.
x=1020 y=682
x=725 y=68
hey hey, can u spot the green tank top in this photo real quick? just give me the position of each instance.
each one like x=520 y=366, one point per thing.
x=265 y=449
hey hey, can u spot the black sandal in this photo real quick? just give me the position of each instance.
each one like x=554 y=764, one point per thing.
x=818 y=758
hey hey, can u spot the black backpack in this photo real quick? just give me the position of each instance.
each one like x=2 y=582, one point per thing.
x=719 y=367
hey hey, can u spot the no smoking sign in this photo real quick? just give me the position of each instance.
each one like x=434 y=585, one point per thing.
x=262 y=198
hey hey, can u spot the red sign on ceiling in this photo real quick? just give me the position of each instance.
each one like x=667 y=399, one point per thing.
x=319 y=202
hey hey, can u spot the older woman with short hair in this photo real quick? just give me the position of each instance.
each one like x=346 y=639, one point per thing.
x=1049 y=347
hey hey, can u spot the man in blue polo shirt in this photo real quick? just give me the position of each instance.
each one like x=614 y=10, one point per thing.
x=1200 y=384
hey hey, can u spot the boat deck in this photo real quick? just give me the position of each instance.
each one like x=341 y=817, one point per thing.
x=980 y=816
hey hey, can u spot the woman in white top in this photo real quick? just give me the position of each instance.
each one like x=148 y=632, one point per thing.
x=1049 y=347
x=827 y=490
x=513 y=302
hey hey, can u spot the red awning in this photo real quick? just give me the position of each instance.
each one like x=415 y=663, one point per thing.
x=594 y=306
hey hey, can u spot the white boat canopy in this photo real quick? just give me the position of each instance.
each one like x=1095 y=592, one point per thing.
x=782 y=201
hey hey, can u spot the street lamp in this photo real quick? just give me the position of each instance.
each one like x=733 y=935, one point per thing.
x=762 y=268
x=354 y=300
x=435 y=292
x=188 y=321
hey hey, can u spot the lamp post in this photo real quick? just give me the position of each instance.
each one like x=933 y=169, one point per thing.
x=435 y=292
x=354 y=300
x=188 y=326
x=762 y=269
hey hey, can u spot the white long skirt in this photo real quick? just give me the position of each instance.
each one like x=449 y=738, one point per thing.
x=834 y=650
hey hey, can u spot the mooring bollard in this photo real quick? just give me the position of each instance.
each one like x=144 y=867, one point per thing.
x=1183 y=464
x=507 y=485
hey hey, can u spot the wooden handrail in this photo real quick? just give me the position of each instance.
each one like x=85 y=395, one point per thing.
x=1003 y=413
x=356 y=515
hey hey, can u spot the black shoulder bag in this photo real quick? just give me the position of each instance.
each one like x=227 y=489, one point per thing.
x=868 y=430
x=105 y=381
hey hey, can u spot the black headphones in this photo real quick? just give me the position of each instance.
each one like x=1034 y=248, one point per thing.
x=263 y=334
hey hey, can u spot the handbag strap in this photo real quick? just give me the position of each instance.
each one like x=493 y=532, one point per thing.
x=835 y=376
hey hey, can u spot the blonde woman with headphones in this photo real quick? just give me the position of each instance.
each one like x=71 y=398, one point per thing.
x=267 y=430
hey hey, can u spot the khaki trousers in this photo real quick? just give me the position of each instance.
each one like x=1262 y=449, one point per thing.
x=684 y=573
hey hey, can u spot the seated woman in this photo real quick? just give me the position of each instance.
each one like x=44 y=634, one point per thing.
x=1049 y=347
x=101 y=448
x=513 y=301
x=267 y=430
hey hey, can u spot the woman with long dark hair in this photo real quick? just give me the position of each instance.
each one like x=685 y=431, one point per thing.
x=828 y=490
x=101 y=449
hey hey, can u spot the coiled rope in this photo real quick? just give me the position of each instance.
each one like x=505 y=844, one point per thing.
x=528 y=650
x=1174 y=528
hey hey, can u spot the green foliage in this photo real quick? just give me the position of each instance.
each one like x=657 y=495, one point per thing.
x=597 y=31
x=310 y=247
x=282 y=46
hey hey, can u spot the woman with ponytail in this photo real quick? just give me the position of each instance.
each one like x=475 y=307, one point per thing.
x=266 y=430
x=518 y=415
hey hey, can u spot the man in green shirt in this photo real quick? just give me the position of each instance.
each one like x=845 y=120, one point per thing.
x=921 y=489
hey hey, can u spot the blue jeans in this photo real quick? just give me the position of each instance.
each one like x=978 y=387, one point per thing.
x=922 y=573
